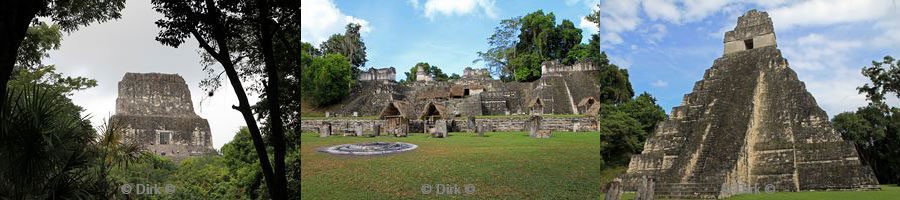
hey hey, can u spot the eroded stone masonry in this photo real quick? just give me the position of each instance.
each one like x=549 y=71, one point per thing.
x=156 y=111
x=476 y=93
x=748 y=122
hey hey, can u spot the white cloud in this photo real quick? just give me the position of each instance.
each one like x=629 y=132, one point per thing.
x=321 y=18
x=414 y=3
x=816 y=52
x=659 y=83
x=829 y=12
x=662 y=9
x=458 y=7
x=588 y=26
x=656 y=33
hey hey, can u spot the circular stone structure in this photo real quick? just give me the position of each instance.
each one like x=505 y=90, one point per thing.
x=367 y=149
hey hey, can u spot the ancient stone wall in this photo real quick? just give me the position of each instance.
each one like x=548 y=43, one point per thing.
x=460 y=124
x=157 y=112
x=379 y=74
x=476 y=74
x=555 y=68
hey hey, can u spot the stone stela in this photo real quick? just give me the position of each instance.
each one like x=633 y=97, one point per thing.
x=156 y=111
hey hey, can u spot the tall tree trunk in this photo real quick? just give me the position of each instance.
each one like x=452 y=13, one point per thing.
x=273 y=93
x=15 y=16
x=223 y=55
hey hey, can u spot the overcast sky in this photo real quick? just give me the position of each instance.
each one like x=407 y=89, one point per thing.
x=106 y=51
x=665 y=44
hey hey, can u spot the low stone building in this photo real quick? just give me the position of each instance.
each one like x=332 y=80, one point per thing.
x=157 y=112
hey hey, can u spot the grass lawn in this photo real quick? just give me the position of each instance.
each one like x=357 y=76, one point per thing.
x=501 y=165
x=886 y=192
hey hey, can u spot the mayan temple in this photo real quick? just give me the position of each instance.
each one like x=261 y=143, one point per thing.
x=748 y=122
x=156 y=111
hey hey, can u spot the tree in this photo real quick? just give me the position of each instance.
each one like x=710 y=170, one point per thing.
x=17 y=16
x=645 y=110
x=46 y=144
x=433 y=71
x=349 y=44
x=885 y=78
x=229 y=32
x=624 y=133
x=502 y=43
x=856 y=129
x=539 y=39
x=875 y=129
x=327 y=79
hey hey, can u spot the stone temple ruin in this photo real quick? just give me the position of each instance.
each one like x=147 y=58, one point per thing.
x=476 y=93
x=429 y=106
x=156 y=111
x=748 y=122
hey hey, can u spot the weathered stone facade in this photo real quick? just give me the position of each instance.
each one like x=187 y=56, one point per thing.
x=749 y=122
x=338 y=126
x=156 y=111
x=379 y=74
x=477 y=94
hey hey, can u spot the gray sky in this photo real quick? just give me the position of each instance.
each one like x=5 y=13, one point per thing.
x=106 y=51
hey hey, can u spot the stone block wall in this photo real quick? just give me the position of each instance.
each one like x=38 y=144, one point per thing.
x=460 y=124
x=555 y=68
x=379 y=74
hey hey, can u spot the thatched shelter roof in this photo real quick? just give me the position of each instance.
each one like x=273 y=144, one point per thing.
x=433 y=109
x=397 y=109
x=594 y=110
x=457 y=91
x=587 y=100
x=536 y=101
x=433 y=94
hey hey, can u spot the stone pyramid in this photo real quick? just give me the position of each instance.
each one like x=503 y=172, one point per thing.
x=750 y=123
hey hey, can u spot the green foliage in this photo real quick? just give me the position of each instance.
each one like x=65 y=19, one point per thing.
x=46 y=147
x=243 y=166
x=433 y=71
x=623 y=135
x=527 y=66
x=885 y=78
x=502 y=42
x=39 y=39
x=876 y=134
x=326 y=79
x=349 y=44
x=875 y=128
x=645 y=110
x=204 y=177
x=519 y=45
x=627 y=126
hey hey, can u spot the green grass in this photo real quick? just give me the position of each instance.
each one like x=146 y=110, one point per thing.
x=500 y=166
x=886 y=192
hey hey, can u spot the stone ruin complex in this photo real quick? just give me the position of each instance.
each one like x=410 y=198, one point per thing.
x=748 y=122
x=476 y=93
x=156 y=111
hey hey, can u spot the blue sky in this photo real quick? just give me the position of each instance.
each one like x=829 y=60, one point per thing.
x=666 y=45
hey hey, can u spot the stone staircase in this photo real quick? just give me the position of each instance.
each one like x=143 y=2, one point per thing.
x=686 y=190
